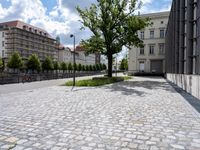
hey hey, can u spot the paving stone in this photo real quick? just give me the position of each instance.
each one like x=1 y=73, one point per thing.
x=177 y=146
x=143 y=113
x=11 y=139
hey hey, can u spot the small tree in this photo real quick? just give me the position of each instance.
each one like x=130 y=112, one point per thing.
x=123 y=64
x=63 y=66
x=70 y=68
x=56 y=65
x=34 y=63
x=98 y=67
x=79 y=67
x=15 y=61
x=75 y=66
x=1 y=63
x=83 y=68
x=94 y=68
x=86 y=68
x=90 y=68
x=47 y=64
x=101 y=66
x=104 y=67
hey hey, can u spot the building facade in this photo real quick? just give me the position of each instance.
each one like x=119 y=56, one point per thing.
x=66 y=55
x=150 y=58
x=26 y=39
x=183 y=45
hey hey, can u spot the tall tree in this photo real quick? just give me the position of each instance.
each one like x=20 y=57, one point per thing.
x=15 y=61
x=113 y=25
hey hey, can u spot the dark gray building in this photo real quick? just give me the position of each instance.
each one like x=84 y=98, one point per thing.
x=183 y=45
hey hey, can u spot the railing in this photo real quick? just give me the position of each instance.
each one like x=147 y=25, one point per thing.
x=7 y=77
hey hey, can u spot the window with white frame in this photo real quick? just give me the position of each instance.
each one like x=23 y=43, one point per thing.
x=151 y=49
x=161 y=48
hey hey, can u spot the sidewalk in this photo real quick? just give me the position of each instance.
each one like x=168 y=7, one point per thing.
x=17 y=87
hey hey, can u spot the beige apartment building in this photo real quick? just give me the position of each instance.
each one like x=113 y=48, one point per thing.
x=65 y=54
x=150 y=58
x=26 y=39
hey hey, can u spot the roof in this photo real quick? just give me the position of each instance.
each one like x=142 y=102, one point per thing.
x=79 y=48
x=25 y=26
x=156 y=15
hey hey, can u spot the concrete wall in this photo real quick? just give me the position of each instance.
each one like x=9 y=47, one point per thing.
x=190 y=83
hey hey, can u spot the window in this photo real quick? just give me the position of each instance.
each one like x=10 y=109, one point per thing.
x=161 y=48
x=3 y=43
x=2 y=53
x=151 y=34
x=2 y=34
x=161 y=22
x=162 y=33
x=142 y=35
x=141 y=66
x=142 y=51
x=151 y=49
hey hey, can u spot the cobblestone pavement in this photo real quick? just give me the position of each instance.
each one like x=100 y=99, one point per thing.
x=143 y=113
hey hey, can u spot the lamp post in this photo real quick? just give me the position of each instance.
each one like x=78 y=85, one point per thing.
x=74 y=61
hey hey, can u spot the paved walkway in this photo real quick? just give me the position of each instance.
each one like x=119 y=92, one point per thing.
x=144 y=113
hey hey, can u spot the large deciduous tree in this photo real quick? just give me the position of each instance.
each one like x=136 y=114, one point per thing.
x=113 y=25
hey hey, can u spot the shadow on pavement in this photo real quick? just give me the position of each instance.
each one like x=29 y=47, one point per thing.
x=138 y=87
x=195 y=102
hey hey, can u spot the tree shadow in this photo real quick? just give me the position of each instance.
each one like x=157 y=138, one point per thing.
x=138 y=88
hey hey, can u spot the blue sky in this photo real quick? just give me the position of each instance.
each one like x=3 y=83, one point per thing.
x=59 y=17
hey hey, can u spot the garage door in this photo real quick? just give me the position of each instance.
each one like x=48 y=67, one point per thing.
x=157 y=66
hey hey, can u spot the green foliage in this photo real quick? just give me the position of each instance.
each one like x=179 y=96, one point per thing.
x=83 y=68
x=1 y=63
x=79 y=67
x=123 y=64
x=113 y=25
x=98 y=67
x=98 y=81
x=48 y=64
x=90 y=68
x=63 y=66
x=101 y=66
x=15 y=61
x=70 y=67
x=104 y=67
x=56 y=65
x=34 y=63
x=87 y=68
x=94 y=68
x=74 y=66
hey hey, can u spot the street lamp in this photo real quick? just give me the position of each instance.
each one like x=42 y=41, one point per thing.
x=74 y=75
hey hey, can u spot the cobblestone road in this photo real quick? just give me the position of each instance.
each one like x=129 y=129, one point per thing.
x=144 y=113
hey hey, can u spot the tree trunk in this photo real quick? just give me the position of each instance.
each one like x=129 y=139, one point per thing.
x=110 y=65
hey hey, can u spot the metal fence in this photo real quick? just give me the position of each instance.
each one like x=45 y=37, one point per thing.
x=7 y=77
